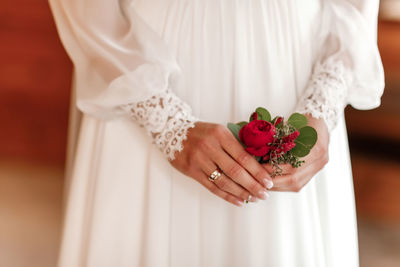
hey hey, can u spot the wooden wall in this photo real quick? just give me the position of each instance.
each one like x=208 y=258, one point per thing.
x=35 y=75
x=34 y=83
x=387 y=116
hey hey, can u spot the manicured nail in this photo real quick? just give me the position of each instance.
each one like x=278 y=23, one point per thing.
x=239 y=203
x=253 y=199
x=263 y=195
x=268 y=183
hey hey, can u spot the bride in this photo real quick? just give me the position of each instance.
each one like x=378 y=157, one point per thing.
x=155 y=82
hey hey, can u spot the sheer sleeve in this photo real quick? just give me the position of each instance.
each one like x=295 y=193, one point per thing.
x=123 y=68
x=348 y=68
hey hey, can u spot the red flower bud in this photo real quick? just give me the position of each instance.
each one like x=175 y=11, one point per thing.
x=254 y=116
x=286 y=145
x=278 y=121
x=294 y=135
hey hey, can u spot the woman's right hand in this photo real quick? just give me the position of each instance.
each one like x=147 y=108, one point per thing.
x=209 y=146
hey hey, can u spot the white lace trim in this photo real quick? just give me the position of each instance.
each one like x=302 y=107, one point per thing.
x=326 y=94
x=166 y=119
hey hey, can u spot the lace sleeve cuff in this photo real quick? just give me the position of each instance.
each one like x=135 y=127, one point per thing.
x=326 y=94
x=166 y=119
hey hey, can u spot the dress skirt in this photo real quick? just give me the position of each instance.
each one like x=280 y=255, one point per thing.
x=126 y=206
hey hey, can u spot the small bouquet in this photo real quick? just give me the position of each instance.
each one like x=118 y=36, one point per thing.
x=275 y=141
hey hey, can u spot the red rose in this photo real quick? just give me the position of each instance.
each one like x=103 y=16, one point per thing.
x=257 y=135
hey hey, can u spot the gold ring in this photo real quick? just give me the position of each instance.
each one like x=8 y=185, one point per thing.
x=215 y=175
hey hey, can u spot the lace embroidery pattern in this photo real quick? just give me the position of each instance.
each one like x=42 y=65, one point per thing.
x=166 y=119
x=325 y=96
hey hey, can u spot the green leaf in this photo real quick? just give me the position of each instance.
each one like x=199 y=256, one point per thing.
x=300 y=150
x=263 y=114
x=234 y=128
x=297 y=120
x=308 y=135
x=305 y=142
x=242 y=123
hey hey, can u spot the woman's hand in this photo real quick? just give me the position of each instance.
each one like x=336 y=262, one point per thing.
x=294 y=179
x=209 y=146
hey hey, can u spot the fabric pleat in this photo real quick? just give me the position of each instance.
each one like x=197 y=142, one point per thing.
x=127 y=206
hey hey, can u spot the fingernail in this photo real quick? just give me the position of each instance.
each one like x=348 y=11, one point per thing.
x=253 y=199
x=263 y=195
x=239 y=203
x=268 y=183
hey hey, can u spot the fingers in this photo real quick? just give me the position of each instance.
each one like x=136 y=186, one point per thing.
x=203 y=179
x=225 y=183
x=285 y=168
x=296 y=178
x=238 y=174
x=290 y=183
x=247 y=161
x=228 y=185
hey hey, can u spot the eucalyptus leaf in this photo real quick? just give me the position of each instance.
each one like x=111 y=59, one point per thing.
x=263 y=114
x=308 y=135
x=297 y=120
x=234 y=128
x=300 y=150
x=242 y=123
x=305 y=142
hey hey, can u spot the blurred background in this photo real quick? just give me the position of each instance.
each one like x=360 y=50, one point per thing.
x=35 y=79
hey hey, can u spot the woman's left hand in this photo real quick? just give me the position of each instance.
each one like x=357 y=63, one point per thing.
x=294 y=179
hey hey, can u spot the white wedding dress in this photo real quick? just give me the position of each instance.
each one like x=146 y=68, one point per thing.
x=146 y=70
